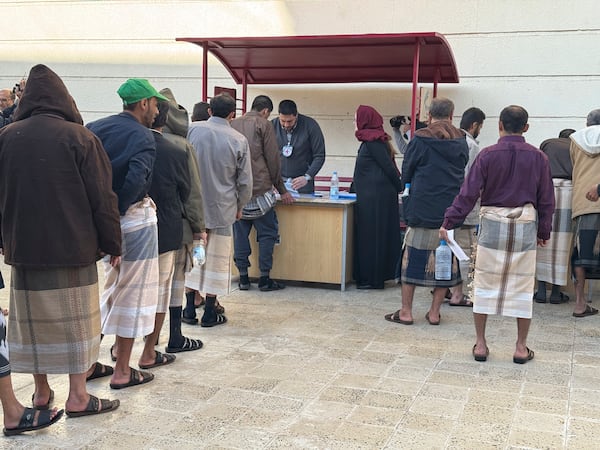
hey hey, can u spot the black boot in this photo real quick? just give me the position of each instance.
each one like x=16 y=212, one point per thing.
x=189 y=313
x=211 y=317
x=265 y=283
x=244 y=283
x=177 y=341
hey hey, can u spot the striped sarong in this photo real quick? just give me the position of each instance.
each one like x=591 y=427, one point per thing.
x=552 y=263
x=166 y=266
x=418 y=259
x=586 y=245
x=182 y=265
x=130 y=296
x=54 y=320
x=214 y=277
x=505 y=261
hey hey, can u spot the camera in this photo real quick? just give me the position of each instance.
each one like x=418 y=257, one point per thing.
x=16 y=88
x=396 y=121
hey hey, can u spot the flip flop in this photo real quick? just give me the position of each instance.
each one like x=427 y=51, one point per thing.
x=431 y=322
x=96 y=406
x=562 y=298
x=480 y=358
x=47 y=405
x=464 y=301
x=395 y=317
x=529 y=357
x=100 y=370
x=134 y=379
x=29 y=417
x=589 y=311
x=160 y=359
x=187 y=346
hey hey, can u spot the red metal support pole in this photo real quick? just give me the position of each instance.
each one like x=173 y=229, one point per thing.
x=415 y=82
x=435 y=82
x=244 y=92
x=204 y=71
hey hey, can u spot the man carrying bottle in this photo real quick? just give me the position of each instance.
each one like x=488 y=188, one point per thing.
x=259 y=212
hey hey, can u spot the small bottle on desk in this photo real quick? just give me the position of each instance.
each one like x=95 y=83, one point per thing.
x=334 y=187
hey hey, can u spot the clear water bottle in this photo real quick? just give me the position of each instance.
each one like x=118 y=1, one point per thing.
x=288 y=184
x=406 y=190
x=334 y=187
x=199 y=253
x=443 y=261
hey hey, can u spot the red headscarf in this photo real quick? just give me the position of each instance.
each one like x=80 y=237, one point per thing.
x=370 y=125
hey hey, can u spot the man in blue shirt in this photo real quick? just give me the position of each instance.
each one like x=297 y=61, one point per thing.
x=130 y=297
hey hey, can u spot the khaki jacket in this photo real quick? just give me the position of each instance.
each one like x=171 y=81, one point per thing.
x=585 y=154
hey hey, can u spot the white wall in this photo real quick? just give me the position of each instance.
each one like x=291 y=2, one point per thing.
x=539 y=54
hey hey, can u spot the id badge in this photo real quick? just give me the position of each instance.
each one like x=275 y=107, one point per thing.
x=287 y=150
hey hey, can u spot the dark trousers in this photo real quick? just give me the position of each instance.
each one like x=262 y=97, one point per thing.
x=267 y=234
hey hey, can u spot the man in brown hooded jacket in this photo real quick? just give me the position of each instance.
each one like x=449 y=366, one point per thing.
x=58 y=215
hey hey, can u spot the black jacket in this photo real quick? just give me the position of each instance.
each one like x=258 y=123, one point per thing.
x=170 y=189
x=434 y=165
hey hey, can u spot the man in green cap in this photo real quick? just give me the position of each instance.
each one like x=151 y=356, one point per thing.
x=129 y=301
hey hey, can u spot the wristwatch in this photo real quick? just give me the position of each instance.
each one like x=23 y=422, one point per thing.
x=307 y=177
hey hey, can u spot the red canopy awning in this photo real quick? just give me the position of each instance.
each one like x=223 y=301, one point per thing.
x=384 y=58
x=334 y=59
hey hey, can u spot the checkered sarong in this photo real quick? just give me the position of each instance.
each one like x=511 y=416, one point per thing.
x=552 y=263
x=214 y=277
x=130 y=296
x=505 y=261
x=54 y=319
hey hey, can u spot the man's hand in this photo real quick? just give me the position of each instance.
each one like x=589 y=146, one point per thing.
x=202 y=236
x=592 y=194
x=238 y=216
x=443 y=234
x=542 y=242
x=299 y=182
x=115 y=261
x=287 y=198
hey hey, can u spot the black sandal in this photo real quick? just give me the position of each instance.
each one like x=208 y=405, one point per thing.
x=42 y=419
x=187 y=346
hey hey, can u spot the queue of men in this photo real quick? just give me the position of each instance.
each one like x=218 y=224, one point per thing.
x=140 y=189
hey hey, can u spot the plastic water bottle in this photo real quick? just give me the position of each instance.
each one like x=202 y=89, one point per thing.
x=406 y=190
x=334 y=187
x=199 y=253
x=288 y=184
x=443 y=261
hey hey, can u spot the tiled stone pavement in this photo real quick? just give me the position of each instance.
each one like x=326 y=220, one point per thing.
x=321 y=369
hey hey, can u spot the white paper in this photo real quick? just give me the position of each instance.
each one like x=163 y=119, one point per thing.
x=458 y=252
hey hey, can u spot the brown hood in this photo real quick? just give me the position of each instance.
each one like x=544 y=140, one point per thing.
x=45 y=93
x=442 y=129
x=177 y=120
